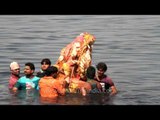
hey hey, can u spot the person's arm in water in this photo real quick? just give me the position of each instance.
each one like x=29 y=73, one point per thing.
x=113 y=90
x=16 y=86
x=84 y=87
x=15 y=89
x=99 y=87
x=60 y=86
x=112 y=86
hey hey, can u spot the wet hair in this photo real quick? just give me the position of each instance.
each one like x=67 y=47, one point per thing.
x=31 y=65
x=102 y=65
x=90 y=73
x=51 y=70
x=46 y=60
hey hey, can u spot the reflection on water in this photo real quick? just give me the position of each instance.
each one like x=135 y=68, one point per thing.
x=24 y=97
x=31 y=97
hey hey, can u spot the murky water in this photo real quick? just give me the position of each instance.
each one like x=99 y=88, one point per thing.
x=128 y=44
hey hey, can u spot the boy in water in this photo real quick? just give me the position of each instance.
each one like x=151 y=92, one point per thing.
x=105 y=79
x=90 y=74
x=45 y=63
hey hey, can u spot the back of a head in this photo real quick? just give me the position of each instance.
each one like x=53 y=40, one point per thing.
x=90 y=72
x=14 y=65
x=51 y=70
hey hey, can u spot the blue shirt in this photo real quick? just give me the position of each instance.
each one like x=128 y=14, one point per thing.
x=27 y=83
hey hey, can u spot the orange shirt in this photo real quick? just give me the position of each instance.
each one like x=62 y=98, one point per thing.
x=50 y=87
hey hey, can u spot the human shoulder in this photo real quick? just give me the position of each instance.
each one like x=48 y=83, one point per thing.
x=13 y=77
x=40 y=74
x=22 y=78
x=108 y=78
x=42 y=80
x=93 y=81
x=35 y=77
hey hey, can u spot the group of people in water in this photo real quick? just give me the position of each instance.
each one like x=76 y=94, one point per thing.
x=72 y=73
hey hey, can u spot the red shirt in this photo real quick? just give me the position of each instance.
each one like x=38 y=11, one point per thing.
x=12 y=81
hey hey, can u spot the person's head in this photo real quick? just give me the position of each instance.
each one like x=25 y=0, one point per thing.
x=101 y=68
x=45 y=63
x=15 y=68
x=90 y=72
x=51 y=71
x=29 y=69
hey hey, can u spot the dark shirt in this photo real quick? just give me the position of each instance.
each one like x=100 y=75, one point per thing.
x=108 y=82
x=41 y=74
